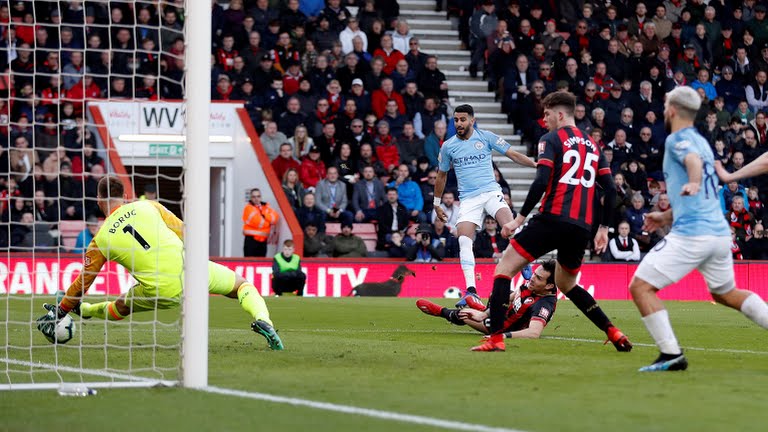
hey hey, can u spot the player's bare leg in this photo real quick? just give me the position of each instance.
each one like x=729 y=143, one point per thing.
x=510 y=264
x=656 y=320
x=466 y=232
x=565 y=279
x=252 y=302
x=748 y=303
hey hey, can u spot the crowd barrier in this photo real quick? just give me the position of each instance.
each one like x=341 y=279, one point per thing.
x=337 y=277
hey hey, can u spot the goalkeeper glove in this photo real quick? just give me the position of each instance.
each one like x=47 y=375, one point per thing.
x=47 y=323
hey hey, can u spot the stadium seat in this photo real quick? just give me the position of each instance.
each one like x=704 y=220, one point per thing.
x=366 y=231
x=69 y=231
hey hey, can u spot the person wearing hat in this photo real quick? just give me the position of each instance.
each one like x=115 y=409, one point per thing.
x=758 y=25
x=725 y=48
x=265 y=73
x=423 y=250
x=675 y=40
x=551 y=38
x=729 y=89
x=348 y=245
x=689 y=63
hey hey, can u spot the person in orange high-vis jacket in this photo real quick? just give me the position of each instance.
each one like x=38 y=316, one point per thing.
x=258 y=218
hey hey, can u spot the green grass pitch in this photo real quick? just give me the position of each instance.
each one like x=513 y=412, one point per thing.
x=385 y=354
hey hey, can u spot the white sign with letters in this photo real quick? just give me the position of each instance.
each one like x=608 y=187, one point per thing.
x=162 y=118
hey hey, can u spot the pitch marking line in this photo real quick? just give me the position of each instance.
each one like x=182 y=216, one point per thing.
x=346 y=409
x=438 y=332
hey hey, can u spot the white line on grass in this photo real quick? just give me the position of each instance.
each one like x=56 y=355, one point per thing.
x=436 y=332
x=346 y=409
x=725 y=350
x=94 y=372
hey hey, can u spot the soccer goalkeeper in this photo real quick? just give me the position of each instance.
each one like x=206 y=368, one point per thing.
x=146 y=239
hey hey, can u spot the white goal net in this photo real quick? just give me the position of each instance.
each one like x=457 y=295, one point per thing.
x=60 y=61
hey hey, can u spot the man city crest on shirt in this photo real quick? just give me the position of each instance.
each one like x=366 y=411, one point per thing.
x=479 y=145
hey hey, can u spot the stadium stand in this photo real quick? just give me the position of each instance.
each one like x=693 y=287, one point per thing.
x=346 y=75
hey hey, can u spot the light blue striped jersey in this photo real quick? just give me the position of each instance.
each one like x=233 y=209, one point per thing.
x=699 y=214
x=472 y=161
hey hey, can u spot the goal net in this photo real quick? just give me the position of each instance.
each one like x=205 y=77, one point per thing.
x=62 y=61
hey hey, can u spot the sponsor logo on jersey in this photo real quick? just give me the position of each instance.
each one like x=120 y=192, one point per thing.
x=544 y=313
x=542 y=146
x=682 y=145
x=469 y=160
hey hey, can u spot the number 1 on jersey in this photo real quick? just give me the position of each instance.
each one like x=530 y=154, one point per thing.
x=128 y=229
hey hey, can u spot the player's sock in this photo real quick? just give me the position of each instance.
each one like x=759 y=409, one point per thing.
x=755 y=309
x=499 y=301
x=589 y=307
x=103 y=310
x=252 y=302
x=467 y=260
x=452 y=315
x=659 y=327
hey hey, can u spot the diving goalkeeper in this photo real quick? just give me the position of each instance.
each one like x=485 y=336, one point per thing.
x=146 y=239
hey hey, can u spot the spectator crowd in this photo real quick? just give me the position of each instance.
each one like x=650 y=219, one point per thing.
x=352 y=113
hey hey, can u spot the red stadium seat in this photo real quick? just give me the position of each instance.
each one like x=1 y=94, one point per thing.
x=69 y=230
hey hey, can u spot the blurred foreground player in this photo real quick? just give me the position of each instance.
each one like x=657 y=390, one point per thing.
x=530 y=308
x=569 y=167
x=146 y=239
x=700 y=237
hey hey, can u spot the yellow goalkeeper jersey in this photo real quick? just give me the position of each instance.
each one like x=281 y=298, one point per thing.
x=136 y=236
x=142 y=236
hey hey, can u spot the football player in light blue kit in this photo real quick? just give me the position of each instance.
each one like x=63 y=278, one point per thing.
x=469 y=152
x=700 y=237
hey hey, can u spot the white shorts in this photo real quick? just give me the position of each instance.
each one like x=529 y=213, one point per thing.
x=474 y=209
x=675 y=256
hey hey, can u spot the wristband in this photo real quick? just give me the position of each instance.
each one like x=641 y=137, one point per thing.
x=436 y=201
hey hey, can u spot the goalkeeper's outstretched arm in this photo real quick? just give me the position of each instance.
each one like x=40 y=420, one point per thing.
x=92 y=263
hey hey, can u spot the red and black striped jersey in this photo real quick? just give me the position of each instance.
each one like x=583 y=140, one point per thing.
x=576 y=163
x=529 y=306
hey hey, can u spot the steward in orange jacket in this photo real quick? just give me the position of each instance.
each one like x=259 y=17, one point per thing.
x=258 y=218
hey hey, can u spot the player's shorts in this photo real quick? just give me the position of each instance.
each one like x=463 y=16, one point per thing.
x=473 y=209
x=541 y=236
x=221 y=280
x=167 y=294
x=675 y=256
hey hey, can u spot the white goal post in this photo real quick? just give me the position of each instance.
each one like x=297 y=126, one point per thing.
x=196 y=192
x=176 y=346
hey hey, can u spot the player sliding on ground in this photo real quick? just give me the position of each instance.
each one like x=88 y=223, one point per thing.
x=569 y=168
x=146 y=239
x=531 y=307
x=469 y=153
x=700 y=237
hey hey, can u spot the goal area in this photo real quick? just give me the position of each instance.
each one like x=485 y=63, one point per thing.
x=94 y=89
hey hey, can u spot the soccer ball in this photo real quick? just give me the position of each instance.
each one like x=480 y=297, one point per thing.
x=65 y=331
x=452 y=293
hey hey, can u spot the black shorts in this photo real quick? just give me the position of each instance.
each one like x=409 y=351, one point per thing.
x=542 y=235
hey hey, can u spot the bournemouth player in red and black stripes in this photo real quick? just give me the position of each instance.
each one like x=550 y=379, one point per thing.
x=570 y=167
